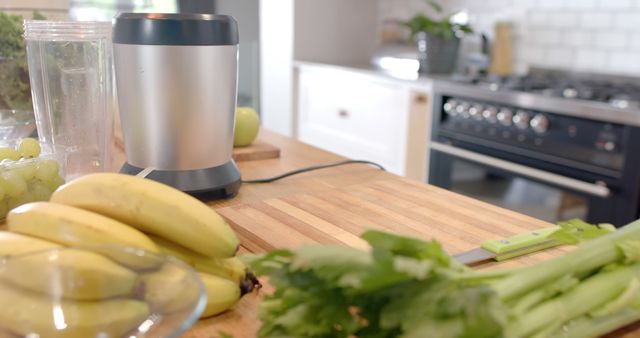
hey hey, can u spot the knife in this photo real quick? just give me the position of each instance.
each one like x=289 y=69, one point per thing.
x=518 y=245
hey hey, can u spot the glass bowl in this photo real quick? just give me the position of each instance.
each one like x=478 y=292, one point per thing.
x=98 y=291
x=15 y=125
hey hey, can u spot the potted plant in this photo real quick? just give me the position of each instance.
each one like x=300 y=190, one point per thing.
x=438 y=40
x=15 y=92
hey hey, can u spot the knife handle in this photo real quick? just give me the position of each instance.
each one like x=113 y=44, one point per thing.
x=521 y=244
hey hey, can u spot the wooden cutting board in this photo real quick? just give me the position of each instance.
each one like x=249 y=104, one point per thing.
x=258 y=150
x=339 y=217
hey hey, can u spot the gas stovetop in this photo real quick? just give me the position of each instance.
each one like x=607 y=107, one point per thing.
x=623 y=93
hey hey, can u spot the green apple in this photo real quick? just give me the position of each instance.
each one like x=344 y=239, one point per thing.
x=247 y=126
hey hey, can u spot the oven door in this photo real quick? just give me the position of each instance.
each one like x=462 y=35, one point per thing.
x=537 y=193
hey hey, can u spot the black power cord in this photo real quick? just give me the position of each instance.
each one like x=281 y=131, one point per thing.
x=315 y=167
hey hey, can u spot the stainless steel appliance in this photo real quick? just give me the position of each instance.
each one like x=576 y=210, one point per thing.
x=176 y=77
x=549 y=144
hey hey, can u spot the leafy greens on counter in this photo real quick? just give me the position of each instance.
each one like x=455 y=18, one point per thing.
x=408 y=288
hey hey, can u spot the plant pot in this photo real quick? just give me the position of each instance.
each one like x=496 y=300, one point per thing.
x=437 y=55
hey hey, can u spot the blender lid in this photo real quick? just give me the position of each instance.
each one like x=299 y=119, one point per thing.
x=175 y=29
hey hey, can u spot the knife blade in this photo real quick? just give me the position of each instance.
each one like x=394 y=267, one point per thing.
x=518 y=245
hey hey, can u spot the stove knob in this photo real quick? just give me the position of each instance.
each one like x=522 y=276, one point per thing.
x=476 y=111
x=490 y=114
x=463 y=109
x=504 y=116
x=521 y=119
x=450 y=107
x=539 y=123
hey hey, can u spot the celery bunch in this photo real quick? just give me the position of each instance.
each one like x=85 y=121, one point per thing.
x=407 y=288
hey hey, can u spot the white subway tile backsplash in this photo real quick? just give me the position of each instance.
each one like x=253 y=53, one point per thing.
x=559 y=57
x=611 y=39
x=545 y=37
x=627 y=20
x=577 y=38
x=563 y=19
x=538 y=18
x=533 y=55
x=551 y=3
x=625 y=61
x=616 y=4
x=634 y=42
x=580 y=4
x=589 y=35
x=595 y=20
x=591 y=59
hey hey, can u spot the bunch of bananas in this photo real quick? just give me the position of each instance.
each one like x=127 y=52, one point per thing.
x=89 y=214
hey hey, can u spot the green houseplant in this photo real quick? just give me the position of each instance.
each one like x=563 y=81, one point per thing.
x=438 y=40
x=15 y=92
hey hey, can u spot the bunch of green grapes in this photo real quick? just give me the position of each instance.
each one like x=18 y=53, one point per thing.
x=24 y=177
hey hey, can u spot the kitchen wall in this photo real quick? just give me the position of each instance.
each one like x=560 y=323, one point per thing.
x=246 y=13
x=586 y=35
x=52 y=9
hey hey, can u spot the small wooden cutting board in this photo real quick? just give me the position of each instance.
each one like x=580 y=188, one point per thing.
x=258 y=150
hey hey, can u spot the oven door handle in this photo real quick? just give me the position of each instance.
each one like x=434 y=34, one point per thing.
x=599 y=189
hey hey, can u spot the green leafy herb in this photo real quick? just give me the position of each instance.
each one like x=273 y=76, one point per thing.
x=15 y=92
x=408 y=288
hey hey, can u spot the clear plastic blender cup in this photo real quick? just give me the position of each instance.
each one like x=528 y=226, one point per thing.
x=71 y=74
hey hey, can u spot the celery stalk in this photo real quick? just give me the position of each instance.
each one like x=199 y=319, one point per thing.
x=588 y=327
x=587 y=257
x=590 y=294
x=537 y=296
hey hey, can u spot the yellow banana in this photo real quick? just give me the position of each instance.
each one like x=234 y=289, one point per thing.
x=12 y=244
x=68 y=273
x=222 y=294
x=25 y=312
x=170 y=289
x=6 y=334
x=154 y=208
x=72 y=226
x=231 y=268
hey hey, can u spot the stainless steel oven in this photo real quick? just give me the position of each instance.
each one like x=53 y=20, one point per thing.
x=534 y=155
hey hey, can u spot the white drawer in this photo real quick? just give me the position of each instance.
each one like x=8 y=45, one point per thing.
x=354 y=115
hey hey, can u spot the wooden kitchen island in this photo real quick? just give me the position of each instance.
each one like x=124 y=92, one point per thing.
x=335 y=205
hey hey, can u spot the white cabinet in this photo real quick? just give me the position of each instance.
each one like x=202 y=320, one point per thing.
x=364 y=116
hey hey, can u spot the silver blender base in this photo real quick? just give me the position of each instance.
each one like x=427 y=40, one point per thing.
x=217 y=182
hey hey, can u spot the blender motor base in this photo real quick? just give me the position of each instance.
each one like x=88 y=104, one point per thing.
x=216 y=182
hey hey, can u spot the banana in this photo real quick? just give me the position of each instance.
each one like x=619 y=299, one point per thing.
x=72 y=226
x=154 y=208
x=6 y=334
x=12 y=244
x=231 y=268
x=170 y=289
x=31 y=314
x=68 y=273
x=222 y=294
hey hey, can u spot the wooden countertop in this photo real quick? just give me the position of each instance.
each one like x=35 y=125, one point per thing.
x=302 y=204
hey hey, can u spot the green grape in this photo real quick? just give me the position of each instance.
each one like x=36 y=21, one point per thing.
x=26 y=171
x=9 y=153
x=16 y=201
x=4 y=208
x=54 y=183
x=47 y=169
x=29 y=147
x=39 y=190
x=13 y=184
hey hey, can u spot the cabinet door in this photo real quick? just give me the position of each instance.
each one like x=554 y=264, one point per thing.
x=354 y=115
